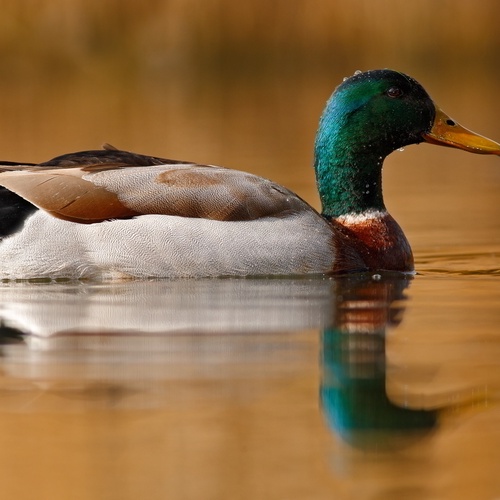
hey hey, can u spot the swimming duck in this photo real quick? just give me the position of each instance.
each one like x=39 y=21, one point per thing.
x=116 y=214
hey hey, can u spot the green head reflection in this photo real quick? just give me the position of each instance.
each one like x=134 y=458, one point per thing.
x=353 y=389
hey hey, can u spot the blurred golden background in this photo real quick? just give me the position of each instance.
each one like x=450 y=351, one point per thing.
x=189 y=35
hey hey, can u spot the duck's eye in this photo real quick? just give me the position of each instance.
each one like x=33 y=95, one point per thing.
x=394 y=92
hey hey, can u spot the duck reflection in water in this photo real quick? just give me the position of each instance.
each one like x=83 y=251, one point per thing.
x=161 y=327
x=353 y=388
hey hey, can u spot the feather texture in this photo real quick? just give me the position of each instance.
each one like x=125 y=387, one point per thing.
x=167 y=246
x=103 y=191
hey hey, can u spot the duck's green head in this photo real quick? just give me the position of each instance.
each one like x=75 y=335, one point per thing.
x=368 y=116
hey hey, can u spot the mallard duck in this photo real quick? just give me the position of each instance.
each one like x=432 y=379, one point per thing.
x=116 y=214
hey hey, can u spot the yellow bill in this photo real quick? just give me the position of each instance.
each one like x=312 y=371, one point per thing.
x=447 y=132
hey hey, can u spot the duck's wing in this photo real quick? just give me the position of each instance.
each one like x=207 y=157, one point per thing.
x=94 y=186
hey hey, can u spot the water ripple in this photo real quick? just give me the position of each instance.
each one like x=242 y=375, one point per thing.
x=465 y=261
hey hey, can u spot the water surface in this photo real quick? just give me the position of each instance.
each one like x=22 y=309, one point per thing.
x=242 y=388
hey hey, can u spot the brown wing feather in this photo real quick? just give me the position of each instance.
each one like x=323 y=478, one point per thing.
x=110 y=189
x=198 y=191
x=68 y=197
